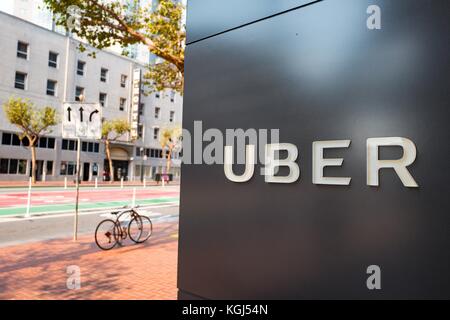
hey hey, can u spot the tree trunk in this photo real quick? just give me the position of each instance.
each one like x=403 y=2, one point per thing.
x=168 y=160
x=33 y=161
x=108 y=156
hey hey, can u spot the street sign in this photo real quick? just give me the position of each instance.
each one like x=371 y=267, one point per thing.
x=82 y=120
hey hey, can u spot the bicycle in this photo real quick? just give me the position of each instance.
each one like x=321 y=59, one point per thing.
x=111 y=232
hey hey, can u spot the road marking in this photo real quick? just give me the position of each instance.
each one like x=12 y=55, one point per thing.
x=60 y=208
x=62 y=215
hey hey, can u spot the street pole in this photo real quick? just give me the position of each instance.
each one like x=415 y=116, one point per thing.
x=142 y=164
x=75 y=225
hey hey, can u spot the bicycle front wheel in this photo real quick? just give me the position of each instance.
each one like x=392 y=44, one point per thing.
x=106 y=234
x=140 y=229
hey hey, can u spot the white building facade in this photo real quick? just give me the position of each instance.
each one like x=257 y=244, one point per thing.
x=47 y=68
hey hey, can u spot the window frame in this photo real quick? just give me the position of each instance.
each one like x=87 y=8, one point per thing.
x=81 y=72
x=55 y=86
x=155 y=133
x=23 y=54
x=25 y=80
x=104 y=78
x=77 y=97
x=123 y=80
x=122 y=104
x=51 y=63
x=105 y=102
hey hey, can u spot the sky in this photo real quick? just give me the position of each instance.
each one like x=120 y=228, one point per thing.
x=6 y=5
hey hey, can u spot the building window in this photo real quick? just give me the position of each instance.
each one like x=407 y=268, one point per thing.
x=141 y=109
x=51 y=88
x=15 y=140
x=157 y=112
x=140 y=130
x=79 y=93
x=122 y=104
x=172 y=96
x=4 y=164
x=155 y=133
x=90 y=147
x=53 y=59
x=50 y=168
x=80 y=67
x=13 y=166
x=69 y=145
x=6 y=138
x=42 y=142
x=20 y=81
x=22 y=166
x=123 y=81
x=22 y=50
x=172 y=116
x=137 y=170
x=67 y=168
x=50 y=143
x=102 y=98
x=46 y=143
x=12 y=139
x=103 y=75
x=155 y=153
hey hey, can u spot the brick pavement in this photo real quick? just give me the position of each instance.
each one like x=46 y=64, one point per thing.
x=39 y=270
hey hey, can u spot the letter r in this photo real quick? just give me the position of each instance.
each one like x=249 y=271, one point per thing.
x=374 y=164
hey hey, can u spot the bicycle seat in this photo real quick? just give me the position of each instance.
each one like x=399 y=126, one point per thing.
x=115 y=212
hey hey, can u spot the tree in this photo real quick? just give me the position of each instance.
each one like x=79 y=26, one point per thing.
x=170 y=140
x=111 y=131
x=107 y=23
x=32 y=121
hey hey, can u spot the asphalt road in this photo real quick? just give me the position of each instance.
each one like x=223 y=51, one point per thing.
x=16 y=230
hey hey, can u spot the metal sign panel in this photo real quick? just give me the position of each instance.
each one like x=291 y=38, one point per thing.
x=324 y=72
x=82 y=120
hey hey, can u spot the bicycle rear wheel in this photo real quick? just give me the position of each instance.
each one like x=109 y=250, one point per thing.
x=106 y=234
x=140 y=229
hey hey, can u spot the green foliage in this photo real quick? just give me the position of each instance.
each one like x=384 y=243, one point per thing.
x=171 y=137
x=114 y=129
x=106 y=23
x=162 y=76
x=32 y=121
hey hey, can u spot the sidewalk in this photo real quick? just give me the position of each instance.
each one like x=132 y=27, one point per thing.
x=39 y=270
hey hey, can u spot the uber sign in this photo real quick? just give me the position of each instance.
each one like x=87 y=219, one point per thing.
x=82 y=120
x=374 y=164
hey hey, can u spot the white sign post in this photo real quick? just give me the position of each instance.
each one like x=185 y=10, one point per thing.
x=81 y=121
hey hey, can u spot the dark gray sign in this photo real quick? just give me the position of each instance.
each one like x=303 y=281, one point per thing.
x=331 y=70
